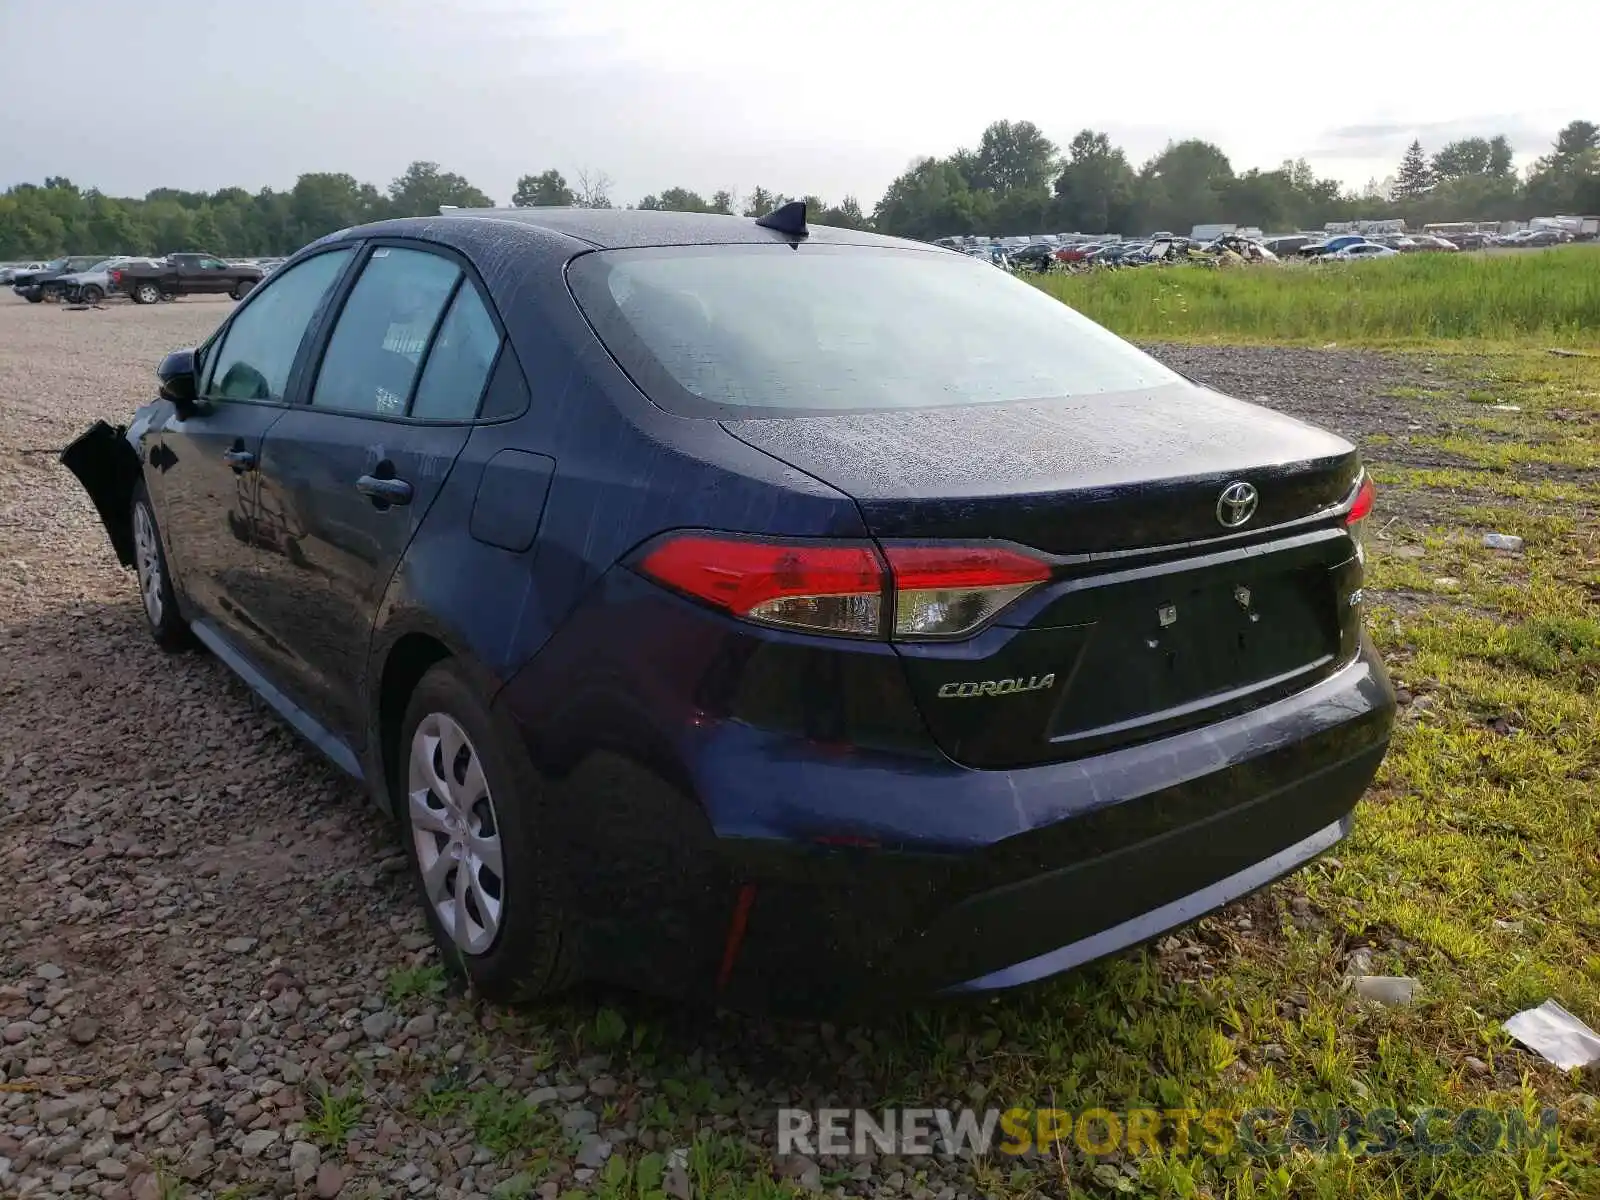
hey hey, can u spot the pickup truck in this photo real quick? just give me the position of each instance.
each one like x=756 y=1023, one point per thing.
x=184 y=275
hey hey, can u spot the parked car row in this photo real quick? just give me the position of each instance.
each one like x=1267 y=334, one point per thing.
x=1232 y=248
x=1161 y=248
x=89 y=279
x=1535 y=237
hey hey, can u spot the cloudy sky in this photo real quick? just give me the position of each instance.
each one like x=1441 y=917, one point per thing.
x=823 y=96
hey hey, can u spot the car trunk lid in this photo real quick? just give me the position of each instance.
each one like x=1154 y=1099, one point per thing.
x=1158 y=615
x=1085 y=475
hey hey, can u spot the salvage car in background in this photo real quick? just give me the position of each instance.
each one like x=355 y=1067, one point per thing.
x=1332 y=245
x=95 y=284
x=1361 y=250
x=753 y=611
x=42 y=285
x=8 y=272
x=1430 y=242
x=1040 y=256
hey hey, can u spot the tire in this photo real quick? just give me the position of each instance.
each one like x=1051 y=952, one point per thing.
x=145 y=293
x=50 y=295
x=35 y=298
x=166 y=297
x=167 y=626
x=92 y=294
x=242 y=289
x=515 y=951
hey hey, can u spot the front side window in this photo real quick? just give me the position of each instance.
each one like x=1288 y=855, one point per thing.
x=773 y=330
x=377 y=345
x=459 y=362
x=261 y=343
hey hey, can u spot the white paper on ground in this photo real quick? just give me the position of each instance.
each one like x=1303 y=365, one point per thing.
x=1553 y=1032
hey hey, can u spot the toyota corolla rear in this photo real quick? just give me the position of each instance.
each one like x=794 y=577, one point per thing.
x=1088 y=663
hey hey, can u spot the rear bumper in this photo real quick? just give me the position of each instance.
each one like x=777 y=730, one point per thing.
x=756 y=819
x=1136 y=842
x=1181 y=911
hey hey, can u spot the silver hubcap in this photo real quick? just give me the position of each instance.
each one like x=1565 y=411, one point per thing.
x=456 y=832
x=147 y=558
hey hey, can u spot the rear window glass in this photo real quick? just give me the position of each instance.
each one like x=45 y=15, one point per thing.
x=774 y=330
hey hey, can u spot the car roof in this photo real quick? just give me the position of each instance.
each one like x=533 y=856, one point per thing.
x=611 y=229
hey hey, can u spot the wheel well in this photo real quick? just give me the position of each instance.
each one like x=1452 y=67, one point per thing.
x=108 y=467
x=408 y=661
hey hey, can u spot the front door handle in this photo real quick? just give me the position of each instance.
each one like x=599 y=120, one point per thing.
x=240 y=460
x=384 y=491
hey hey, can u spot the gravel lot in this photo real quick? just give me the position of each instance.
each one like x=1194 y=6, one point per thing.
x=203 y=921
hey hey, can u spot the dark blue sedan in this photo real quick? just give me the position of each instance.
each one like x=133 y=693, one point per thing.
x=788 y=617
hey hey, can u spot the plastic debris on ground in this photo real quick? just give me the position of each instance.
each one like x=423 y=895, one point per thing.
x=1551 y=1032
x=1502 y=541
x=1386 y=989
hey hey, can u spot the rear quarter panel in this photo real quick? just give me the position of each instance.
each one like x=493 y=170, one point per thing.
x=624 y=470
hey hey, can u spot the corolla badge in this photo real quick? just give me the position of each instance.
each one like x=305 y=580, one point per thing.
x=1237 y=504
x=995 y=687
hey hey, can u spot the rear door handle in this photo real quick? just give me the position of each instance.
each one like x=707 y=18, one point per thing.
x=240 y=460
x=384 y=491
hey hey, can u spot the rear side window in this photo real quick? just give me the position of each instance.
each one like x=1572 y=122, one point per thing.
x=784 y=330
x=459 y=362
x=377 y=344
x=262 y=341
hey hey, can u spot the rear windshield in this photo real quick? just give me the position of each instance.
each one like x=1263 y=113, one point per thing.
x=775 y=330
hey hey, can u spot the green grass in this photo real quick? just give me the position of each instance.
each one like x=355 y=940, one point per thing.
x=416 y=983
x=332 y=1116
x=1555 y=295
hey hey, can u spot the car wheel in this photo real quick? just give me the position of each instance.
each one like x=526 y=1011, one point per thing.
x=50 y=295
x=35 y=298
x=170 y=630
x=241 y=289
x=168 y=296
x=92 y=294
x=468 y=801
x=146 y=293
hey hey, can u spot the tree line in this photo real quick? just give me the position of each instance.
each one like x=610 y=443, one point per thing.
x=1018 y=181
x=1015 y=181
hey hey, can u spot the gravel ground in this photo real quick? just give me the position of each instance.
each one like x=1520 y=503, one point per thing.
x=203 y=922
x=1347 y=391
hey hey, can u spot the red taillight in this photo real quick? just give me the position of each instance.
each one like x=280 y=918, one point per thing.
x=116 y=277
x=833 y=587
x=829 y=588
x=1366 y=494
x=948 y=591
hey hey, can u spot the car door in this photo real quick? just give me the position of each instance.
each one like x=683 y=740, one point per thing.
x=357 y=464
x=204 y=465
x=213 y=276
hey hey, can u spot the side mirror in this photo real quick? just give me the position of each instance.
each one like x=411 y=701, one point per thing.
x=178 y=384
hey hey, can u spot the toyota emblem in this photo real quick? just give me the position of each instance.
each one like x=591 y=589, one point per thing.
x=1237 y=504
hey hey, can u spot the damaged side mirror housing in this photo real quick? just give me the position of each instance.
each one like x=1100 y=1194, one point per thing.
x=178 y=383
